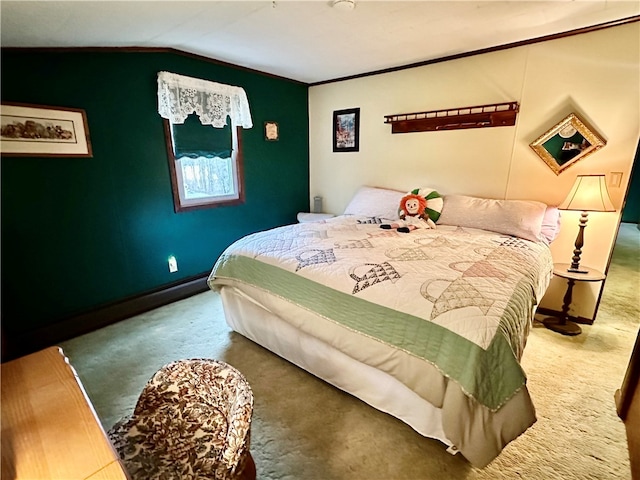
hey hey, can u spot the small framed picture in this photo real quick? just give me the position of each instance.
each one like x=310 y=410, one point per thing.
x=566 y=142
x=346 y=130
x=43 y=131
x=271 y=132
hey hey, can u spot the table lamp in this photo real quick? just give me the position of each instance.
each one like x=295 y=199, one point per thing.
x=588 y=194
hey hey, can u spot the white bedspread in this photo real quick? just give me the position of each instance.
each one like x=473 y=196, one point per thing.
x=427 y=307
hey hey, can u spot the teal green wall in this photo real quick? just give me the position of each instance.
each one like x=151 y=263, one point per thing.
x=631 y=212
x=79 y=233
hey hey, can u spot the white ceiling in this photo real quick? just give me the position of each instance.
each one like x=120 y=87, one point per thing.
x=308 y=41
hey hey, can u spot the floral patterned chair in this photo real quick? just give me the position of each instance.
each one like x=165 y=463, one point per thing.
x=192 y=421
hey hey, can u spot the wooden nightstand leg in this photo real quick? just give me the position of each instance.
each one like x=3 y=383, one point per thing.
x=562 y=324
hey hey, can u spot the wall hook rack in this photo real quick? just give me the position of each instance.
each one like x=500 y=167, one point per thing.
x=479 y=116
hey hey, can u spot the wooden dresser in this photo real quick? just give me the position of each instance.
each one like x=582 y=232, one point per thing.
x=49 y=427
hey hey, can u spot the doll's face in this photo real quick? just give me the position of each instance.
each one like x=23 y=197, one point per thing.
x=413 y=206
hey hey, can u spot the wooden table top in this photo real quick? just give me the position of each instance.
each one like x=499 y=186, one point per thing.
x=589 y=275
x=49 y=427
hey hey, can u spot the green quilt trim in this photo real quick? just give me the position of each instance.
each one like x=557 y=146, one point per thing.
x=490 y=376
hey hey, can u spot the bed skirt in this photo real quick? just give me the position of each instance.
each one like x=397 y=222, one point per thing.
x=380 y=390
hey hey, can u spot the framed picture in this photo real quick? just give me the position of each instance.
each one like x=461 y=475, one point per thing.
x=346 y=130
x=42 y=131
x=567 y=142
x=271 y=133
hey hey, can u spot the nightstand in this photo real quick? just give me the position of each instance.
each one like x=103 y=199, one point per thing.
x=305 y=217
x=562 y=323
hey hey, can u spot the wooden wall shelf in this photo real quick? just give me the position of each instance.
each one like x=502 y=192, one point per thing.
x=479 y=116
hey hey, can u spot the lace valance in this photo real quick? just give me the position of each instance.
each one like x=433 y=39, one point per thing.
x=180 y=96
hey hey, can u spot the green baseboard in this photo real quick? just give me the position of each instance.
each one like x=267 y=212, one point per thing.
x=18 y=344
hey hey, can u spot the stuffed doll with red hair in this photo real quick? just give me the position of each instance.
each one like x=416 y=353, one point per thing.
x=416 y=211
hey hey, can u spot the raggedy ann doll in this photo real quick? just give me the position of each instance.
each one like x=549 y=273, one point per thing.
x=414 y=211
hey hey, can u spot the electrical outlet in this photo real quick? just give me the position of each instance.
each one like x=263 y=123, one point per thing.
x=173 y=264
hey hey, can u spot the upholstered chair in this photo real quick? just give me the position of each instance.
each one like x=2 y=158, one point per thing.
x=192 y=421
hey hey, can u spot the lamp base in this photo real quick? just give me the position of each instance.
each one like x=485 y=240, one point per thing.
x=563 y=326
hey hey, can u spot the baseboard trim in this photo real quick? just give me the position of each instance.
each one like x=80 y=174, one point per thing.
x=14 y=346
x=17 y=345
x=556 y=313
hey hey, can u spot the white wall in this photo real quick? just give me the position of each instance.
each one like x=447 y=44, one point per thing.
x=596 y=75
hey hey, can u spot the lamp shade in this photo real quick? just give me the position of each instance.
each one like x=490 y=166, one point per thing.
x=588 y=194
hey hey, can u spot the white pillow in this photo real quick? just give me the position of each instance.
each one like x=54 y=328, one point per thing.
x=375 y=202
x=519 y=218
x=550 y=224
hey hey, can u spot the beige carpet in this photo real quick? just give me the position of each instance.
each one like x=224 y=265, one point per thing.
x=306 y=429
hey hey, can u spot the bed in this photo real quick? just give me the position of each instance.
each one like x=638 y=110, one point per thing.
x=428 y=326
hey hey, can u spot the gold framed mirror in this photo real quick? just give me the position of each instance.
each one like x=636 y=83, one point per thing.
x=567 y=142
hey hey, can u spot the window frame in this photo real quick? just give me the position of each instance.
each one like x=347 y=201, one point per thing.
x=183 y=205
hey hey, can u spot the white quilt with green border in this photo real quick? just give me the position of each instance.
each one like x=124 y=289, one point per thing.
x=460 y=299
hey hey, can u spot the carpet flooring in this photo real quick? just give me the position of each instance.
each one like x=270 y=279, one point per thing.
x=304 y=428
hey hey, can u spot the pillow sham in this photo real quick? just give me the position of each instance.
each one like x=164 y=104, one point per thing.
x=518 y=218
x=375 y=202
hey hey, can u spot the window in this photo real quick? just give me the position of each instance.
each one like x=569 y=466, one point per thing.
x=204 y=150
x=205 y=164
